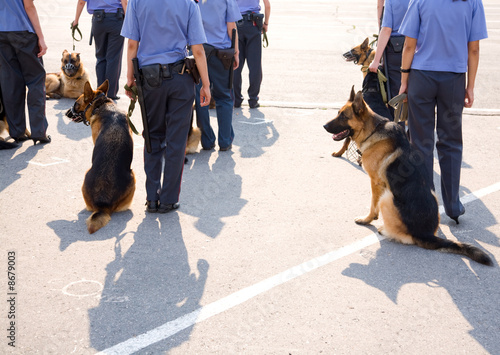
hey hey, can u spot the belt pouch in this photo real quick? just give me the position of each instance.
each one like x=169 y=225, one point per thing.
x=151 y=74
x=397 y=43
x=226 y=57
x=192 y=69
x=120 y=14
x=258 y=19
x=98 y=15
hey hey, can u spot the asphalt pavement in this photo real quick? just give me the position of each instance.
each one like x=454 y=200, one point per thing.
x=263 y=256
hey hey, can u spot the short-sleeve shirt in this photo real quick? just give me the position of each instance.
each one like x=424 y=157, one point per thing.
x=13 y=17
x=443 y=29
x=248 y=6
x=109 y=6
x=215 y=15
x=163 y=29
x=394 y=12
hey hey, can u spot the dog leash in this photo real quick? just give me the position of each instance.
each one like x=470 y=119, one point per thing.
x=73 y=29
x=264 y=39
x=131 y=107
x=400 y=107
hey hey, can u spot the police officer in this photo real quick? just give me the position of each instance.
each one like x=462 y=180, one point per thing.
x=158 y=33
x=219 y=20
x=439 y=66
x=22 y=46
x=107 y=21
x=250 y=47
x=391 y=41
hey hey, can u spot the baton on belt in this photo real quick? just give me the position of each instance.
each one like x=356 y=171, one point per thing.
x=231 y=69
x=140 y=96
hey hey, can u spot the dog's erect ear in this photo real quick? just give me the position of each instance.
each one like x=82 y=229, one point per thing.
x=78 y=56
x=353 y=94
x=88 y=92
x=64 y=52
x=104 y=87
x=365 y=43
x=358 y=104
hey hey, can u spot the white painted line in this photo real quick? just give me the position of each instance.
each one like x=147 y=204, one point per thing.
x=188 y=320
x=60 y=161
x=260 y=121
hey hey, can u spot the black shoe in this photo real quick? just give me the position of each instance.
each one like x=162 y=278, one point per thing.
x=21 y=139
x=254 y=104
x=164 y=208
x=455 y=218
x=152 y=206
x=115 y=98
x=42 y=140
x=229 y=147
x=237 y=105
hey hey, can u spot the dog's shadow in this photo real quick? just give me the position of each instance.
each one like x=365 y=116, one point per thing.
x=472 y=287
x=73 y=231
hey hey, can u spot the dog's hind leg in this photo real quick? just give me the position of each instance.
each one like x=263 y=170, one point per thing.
x=343 y=149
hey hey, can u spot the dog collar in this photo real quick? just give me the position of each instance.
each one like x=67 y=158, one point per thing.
x=82 y=115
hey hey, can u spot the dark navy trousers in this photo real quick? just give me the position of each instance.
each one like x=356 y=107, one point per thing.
x=219 y=80
x=446 y=91
x=20 y=68
x=108 y=50
x=169 y=117
x=250 y=47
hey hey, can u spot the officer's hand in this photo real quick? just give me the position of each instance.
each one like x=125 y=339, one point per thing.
x=373 y=67
x=205 y=96
x=42 y=47
x=236 y=62
x=130 y=84
x=469 y=97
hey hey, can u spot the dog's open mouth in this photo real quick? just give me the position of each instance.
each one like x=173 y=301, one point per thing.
x=341 y=135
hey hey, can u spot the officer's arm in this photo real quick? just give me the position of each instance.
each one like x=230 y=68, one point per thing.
x=406 y=60
x=230 y=27
x=30 y=9
x=124 y=5
x=79 y=8
x=132 y=47
x=472 y=64
x=201 y=64
x=267 y=14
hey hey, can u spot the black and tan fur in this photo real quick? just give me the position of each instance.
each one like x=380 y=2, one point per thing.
x=70 y=81
x=399 y=192
x=109 y=184
x=194 y=136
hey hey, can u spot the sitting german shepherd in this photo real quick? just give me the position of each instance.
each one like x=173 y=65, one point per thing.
x=399 y=191
x=109 y=184
x=70 y=81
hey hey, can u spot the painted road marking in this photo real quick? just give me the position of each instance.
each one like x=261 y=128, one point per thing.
x=59 y=161
x=188 y=320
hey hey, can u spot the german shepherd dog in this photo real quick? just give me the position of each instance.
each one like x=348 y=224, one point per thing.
x=363 y=55
x=109 y=184
x=399 y=191
x=70 y=81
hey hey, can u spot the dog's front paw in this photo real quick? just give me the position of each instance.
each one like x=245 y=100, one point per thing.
x=337 y=154
x=363 y=220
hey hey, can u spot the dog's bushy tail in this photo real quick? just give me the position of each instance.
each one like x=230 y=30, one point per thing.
x=97 y=220
x=448 y=246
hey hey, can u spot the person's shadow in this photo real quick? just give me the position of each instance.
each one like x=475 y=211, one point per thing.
x=253 y=133
x=11 y=165
x=147 y=286
x=472 y=286
x=214 y=191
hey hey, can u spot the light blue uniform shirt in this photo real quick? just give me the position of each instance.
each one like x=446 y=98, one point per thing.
x=443 y=29
x=109 y=6
x=215 y=15
x=13 y=17
x=247 y=6
x=163 y=29
x=394 y=12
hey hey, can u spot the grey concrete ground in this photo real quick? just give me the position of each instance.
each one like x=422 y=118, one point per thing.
x=263 y=257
